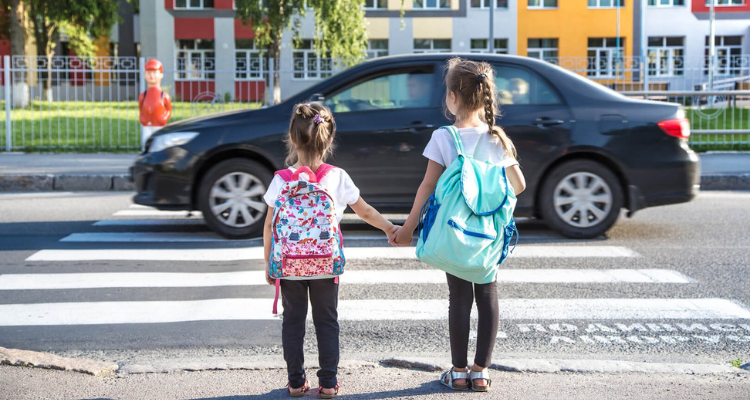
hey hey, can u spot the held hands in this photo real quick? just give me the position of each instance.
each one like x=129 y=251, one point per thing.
x=401 y=237
x=269 y=280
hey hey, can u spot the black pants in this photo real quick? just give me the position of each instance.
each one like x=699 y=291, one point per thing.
x=324 y=297
x=462 y=294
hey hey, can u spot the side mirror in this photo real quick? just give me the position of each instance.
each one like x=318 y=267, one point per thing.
x=317 y=98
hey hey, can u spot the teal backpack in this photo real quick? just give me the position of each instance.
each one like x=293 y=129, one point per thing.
x=466 y=226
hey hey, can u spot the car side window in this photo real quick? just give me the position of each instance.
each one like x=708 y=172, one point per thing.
x=401 y=90
x=521 y=86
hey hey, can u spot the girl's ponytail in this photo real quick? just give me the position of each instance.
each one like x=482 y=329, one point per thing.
x=490 y=101
x=311 y=133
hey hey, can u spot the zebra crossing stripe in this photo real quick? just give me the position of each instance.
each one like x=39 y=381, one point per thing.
x=352 y=253
x=171 y=237
x=150 y=222
x=358 y=277
x=141 y=312
x=156 y=213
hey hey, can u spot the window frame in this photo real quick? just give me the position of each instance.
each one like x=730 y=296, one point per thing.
x=601 y=7
x=543 y=50
x=727 y=69
x=375 y=6
x=425 y=7
x=611 y=58
x=208 y=63
x=657 y=4
x=310 y=53
x=542 y=6
x=485 y=5
x=672 y=59
x=486 y=49
x=731 y=4
x=374 y=53
x=432 y=50
x=248 y=59
x=189 y=7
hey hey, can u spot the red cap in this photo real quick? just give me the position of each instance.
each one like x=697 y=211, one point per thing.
x=154 y=64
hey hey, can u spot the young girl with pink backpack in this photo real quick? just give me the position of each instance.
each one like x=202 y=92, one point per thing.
x=303 y=243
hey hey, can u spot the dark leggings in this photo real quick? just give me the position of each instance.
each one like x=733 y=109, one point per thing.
x=462 y=295
x=323 y=295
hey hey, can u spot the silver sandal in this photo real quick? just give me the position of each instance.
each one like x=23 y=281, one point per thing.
x=480 y=375
x=453 y=375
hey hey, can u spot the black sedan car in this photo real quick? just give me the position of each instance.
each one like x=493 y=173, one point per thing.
x=586 y=151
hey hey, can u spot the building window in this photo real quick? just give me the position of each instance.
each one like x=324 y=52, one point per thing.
x=486 y=3
x=432 y=45
x=195 y=59
x=666 y=56
x=308 y=64
x=542 y=3
x=606 y=3
x=249 y=61
x=482 y=46
x=431 y=4
x=376 y=4
x=726 y=2
x=605 y=57
x=728 y=59
x=543 y=49
x=377 y=48
x=666 y=3
x=193 y=4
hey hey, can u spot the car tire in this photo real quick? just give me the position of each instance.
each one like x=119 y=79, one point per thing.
x=581 y=199
x=230 y=197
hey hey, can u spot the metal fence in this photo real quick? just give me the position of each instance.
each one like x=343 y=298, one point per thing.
x=90 y=104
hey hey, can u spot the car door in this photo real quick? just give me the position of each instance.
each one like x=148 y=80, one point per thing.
x=383 y=123
x=536 y=118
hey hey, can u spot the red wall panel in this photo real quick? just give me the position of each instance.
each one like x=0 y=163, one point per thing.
x=168 y=4
x=242 y=31
x=224 y=4
x=699 y=6
x=195 y=90
x=194 y=28
x=249 y=90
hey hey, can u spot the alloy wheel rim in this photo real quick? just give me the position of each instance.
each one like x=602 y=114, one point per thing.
x=236 y=199
x=582 y=199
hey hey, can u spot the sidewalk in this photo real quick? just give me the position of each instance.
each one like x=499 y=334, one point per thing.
x=21 y=172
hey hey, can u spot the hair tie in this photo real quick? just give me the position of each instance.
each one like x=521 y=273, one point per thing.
x=299 y=112
x=318 y=119
x=480 y=77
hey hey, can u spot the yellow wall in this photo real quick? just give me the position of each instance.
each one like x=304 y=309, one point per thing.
x=572 y=24
x=102 y=50
x=377 y=28
x=396 y=5
x=433 y=28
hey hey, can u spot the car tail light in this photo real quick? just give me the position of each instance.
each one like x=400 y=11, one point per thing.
x=678 y=127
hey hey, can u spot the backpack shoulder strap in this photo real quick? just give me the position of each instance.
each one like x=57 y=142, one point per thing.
x=323 y=170
x=285 y=174
x=456 y=138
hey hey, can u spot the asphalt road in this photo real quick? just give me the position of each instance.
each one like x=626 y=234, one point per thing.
x=669 y=285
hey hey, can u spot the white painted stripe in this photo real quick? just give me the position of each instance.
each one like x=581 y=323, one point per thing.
x=133 y=312
x=156 y=213
x=141 y=207
x=145 y=237
x=150 y=222
x=149 y=237
x=352 y=253
x=357 y=277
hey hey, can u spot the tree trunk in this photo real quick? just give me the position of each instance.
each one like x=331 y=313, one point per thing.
x=17 y=48
x=275 y=54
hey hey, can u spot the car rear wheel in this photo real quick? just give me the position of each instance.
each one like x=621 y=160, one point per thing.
x=231 y=198
x=581 y=199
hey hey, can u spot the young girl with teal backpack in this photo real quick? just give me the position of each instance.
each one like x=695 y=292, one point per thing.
x=464 y=211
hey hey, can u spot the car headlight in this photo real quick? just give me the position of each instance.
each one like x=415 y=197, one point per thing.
x=162 y=142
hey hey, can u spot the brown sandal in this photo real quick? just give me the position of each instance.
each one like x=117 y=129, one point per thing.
x=337 y=389
x=304 y=388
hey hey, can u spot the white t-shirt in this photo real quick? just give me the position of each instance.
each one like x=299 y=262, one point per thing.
x=478 y=143
x=337 y=181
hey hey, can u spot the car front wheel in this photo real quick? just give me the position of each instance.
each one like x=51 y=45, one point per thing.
x=581 y=199
x=231 y=198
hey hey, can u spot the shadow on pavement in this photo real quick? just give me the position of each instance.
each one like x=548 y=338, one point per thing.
x=426 y=389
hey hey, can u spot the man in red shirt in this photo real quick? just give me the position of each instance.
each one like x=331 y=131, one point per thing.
x=154 y=104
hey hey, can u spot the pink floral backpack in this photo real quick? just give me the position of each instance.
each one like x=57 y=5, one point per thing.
x=306 y=241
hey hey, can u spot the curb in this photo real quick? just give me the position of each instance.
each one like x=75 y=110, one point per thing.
x=68 y=183
x=36 y=359
x=227 y=364
x=577 y=366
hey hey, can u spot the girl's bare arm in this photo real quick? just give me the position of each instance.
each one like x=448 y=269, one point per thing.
x=267 y=226
x=372 y=216
x=516 y=179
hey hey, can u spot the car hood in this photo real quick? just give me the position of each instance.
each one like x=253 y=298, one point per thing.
x=210 y=120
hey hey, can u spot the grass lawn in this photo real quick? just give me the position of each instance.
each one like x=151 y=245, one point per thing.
x=90 y=126
x=114 y=127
